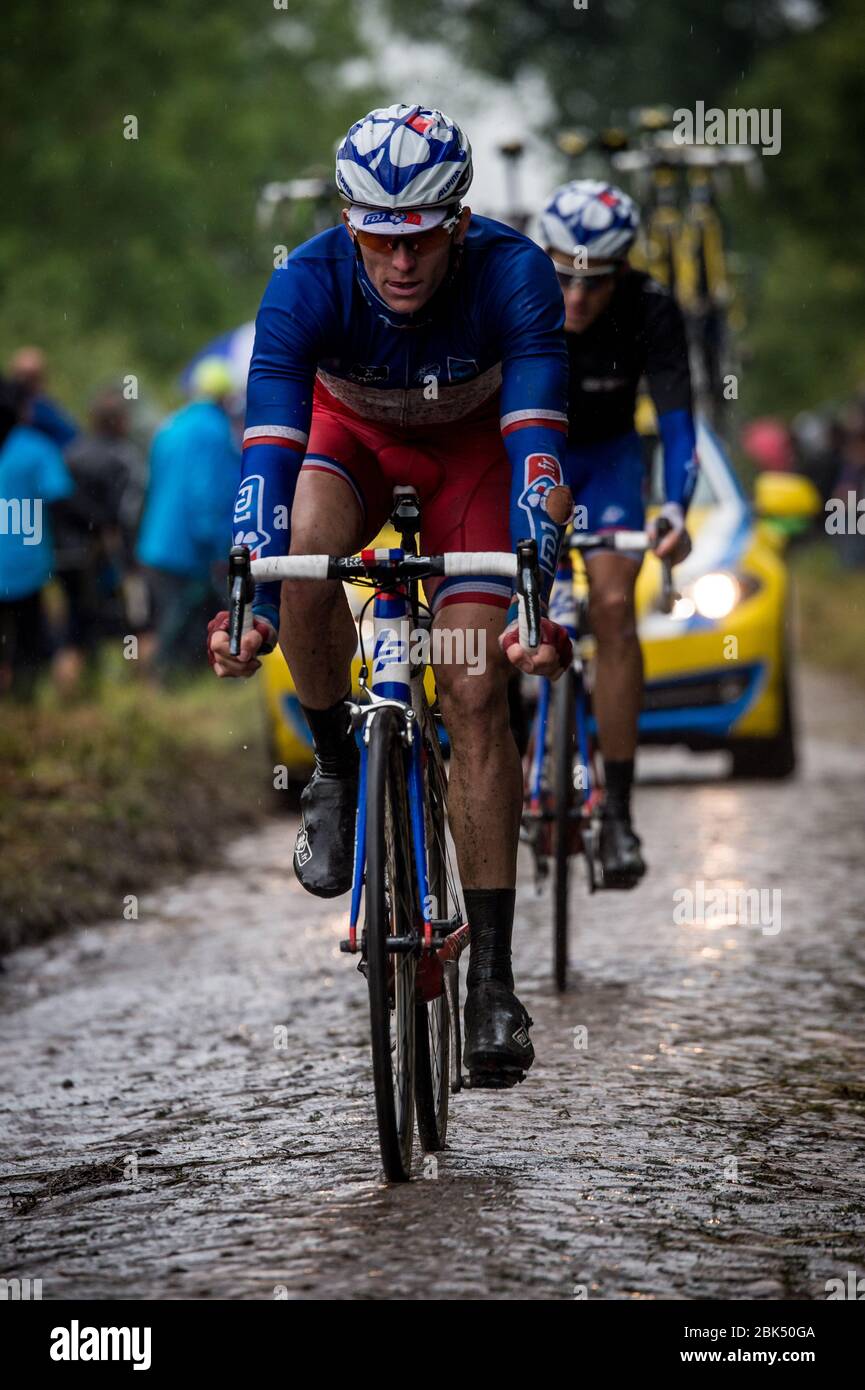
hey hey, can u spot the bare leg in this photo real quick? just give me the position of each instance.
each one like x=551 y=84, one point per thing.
x=317 y=632
x=617 y=698
x=619 y=664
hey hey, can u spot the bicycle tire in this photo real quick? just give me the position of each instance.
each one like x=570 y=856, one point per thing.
x=432 y=1024
x=389 y=910
x=563 y=745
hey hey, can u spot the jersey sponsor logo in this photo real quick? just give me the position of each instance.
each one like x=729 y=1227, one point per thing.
x=543 y=466
x=394 y=219
x=542 y=474
x=367 y=372
x=461 y=368
x=432 y=369
x=249 y=515
x=449 y=183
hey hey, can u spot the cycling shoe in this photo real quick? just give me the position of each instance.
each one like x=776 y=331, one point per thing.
x=324 y=848
x=498 y=1050
x=621 y=858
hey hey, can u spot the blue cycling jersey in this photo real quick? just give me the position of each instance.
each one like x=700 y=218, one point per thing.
x=490 y=338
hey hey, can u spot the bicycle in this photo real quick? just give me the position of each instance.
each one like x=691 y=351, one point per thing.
x=563 y=804
x=413 y=932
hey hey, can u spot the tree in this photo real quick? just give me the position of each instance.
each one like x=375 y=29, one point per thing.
x=134 y=144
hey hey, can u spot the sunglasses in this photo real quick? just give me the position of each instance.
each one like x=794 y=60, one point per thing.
x=419 y=244
x=590 y=283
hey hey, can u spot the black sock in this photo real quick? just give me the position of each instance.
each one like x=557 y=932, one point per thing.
x=490 y=913
x=336 y=752
x=618 y=779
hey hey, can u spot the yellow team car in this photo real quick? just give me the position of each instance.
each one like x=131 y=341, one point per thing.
x=718 y=669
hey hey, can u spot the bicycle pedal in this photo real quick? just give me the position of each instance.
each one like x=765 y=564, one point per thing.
x=500 y=1079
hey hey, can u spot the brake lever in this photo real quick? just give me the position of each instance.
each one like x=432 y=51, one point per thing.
x=529 y=594
x=669 y=595
x=241 y=590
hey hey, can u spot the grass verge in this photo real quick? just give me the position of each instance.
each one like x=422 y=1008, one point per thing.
x=831 y=611
x=103 y=800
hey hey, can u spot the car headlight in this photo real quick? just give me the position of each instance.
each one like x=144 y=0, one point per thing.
x=715 y=595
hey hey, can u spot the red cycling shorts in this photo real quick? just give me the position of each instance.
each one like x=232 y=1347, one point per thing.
x=461 y=472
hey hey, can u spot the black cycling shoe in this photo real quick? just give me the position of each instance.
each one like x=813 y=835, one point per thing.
x=622 y=861
x=324 y=848
x=498 y=1050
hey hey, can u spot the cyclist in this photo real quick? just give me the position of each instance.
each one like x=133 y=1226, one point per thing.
x=620 y=326
x=414 y=344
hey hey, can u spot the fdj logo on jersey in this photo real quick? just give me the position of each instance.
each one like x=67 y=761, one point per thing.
x=542 y=474
x=249 y=515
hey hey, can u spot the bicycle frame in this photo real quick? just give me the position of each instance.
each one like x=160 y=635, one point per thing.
x=567 y=609
x=395 y=684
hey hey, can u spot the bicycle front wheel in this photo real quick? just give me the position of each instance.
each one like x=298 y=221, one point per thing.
x=390 y=912
x=564 y=810
x=433 y=1025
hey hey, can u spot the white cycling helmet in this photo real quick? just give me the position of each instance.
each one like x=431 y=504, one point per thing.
x=591 y=215
x=403 y=168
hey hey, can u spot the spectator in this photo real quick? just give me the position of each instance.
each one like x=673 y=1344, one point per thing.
x=186 y=528
x=818 y=445
x=94 y=532
x=851 y=480
x=768 y=443
x=27 y=370
x=32 y=476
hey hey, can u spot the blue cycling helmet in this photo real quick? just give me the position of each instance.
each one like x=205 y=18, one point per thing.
x=587 y=213
x=402 y=159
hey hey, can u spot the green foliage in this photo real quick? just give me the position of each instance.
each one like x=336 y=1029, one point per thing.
x=601 y=60
x=807 y=329
x=801 y=235
x=141 y=249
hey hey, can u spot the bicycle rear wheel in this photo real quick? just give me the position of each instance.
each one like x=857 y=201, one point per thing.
x=433 y=1026
x=564 y=811
x=390 y=910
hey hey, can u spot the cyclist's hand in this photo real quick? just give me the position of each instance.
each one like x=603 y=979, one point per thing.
x=552 y=657
x=676 y=544
x=218 y=654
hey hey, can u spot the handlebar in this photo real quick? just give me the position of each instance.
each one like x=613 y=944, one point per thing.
x=395 y=565
x=386 y=566
x=632 y=540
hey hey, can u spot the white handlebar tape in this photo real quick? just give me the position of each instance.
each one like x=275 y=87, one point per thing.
x=497 y=562
x=290 y=567
x=632 y=540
